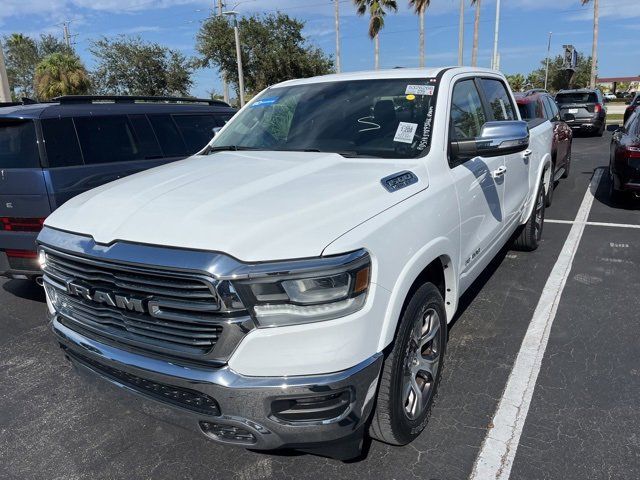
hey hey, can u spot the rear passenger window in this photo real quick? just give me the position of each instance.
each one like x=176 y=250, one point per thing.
x=197 y=130
x=107 y=139
x=499 y=100
x=61 y=142
x=168 y=135
x=467 y=114
x=145 y=136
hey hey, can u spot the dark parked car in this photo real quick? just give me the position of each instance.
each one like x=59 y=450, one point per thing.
x=583 y=110
x=624 y=159
x=50 y=152
x=631 y=107
x=536 y=107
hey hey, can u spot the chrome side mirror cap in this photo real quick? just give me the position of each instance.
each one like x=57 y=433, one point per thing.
x=495 y=139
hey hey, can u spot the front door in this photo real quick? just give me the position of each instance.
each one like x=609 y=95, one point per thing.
x=479 y=182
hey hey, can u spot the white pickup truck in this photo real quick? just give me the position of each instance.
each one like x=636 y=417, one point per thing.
x=291 y=285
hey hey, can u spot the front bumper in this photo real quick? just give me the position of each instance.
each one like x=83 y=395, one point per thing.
x=244 y=406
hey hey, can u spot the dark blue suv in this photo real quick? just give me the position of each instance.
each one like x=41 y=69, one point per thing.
x=50 y=152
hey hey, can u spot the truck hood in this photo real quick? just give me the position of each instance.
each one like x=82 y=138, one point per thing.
x=253 y=205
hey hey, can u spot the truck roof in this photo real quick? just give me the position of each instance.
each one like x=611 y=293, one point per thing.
x=382 y=74
x=55 y=109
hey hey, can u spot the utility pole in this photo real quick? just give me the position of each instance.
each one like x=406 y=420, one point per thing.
x=236 y=33
x=225 y=84
x=336 y=4
x=495 y=61
x=594 y=48
x=461 y=35
x=546 y=72
x=5 y=93
x=67 y=37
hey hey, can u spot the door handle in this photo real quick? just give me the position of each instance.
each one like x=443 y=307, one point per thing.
x=499 y=172
x=527 y=153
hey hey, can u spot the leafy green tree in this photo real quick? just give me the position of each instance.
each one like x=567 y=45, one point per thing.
x=130 y=66
x=61 y=74
x=21 y=58
x=22 y=54
x=560 y=78
x=273 y=49
x=517 y=82
x=377 y=11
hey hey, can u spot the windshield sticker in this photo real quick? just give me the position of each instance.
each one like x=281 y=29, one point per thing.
x=411 y=97
x=406 y=132
x=264 y=102
x=426 y=130
x=420 y=89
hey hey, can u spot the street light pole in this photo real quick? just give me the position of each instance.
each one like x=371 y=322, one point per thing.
x=461 y=34
x=236 y=33
x=5 y=93
x=494 y=63
x=546 y=73
x=336 y=4
x=225 y=84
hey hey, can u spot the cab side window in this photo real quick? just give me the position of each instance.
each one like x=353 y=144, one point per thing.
x=467 y=113
x=498 y=99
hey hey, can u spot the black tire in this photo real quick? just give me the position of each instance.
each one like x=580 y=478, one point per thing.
x=400 y=417
x=602 y=128
x=531 y=232
x=615 y=195
x=548 y=199
x=567 y=165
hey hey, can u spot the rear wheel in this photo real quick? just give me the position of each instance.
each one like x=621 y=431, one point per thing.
x=412 y=370
x=531 y=233
x=601 y=131
x=615 y=195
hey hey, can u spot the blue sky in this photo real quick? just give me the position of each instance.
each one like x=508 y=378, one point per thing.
x=525 y=25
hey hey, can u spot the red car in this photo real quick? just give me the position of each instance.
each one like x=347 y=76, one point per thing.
x=632 y=105
x=536 y=107
x=624 y=159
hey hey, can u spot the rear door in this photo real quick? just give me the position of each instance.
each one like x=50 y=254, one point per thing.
x=89 y=151
x=23 y=195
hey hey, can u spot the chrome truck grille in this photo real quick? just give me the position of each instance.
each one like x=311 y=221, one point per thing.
x=172 y=313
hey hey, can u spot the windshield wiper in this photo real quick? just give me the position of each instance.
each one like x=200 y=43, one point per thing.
x=226 y=148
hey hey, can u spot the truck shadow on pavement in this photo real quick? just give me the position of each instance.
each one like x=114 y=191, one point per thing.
x=25 y=289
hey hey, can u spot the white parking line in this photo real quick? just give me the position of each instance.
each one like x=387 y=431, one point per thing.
x=596 y=224
x=499 y=448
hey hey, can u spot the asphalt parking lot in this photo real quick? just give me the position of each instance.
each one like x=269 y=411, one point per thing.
x=583 y=421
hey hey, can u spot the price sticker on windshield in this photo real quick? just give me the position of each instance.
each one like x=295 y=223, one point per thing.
x=419 y=90
x=405 y=132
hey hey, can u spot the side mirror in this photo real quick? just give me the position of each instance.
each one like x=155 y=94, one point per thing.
x=568 y=117
x=215 y=130
x=627 y=103
x=496 y=138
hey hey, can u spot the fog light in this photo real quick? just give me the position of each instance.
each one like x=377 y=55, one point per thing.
x=228 y=433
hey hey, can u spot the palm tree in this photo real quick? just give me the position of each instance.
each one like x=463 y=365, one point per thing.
x=61 y=74
x=377 y=11
x=476 y=28
x=420 y=6
x=594 y=48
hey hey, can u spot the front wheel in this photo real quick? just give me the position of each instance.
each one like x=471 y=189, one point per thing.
x=531 y=233
x=412 y=370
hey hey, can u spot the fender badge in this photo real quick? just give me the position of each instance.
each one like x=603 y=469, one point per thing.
x=399 y=180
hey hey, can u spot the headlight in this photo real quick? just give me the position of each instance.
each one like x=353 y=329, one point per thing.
x=308 y=290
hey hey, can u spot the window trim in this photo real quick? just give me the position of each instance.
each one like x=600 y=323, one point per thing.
x=474 y=78
x=509 y=96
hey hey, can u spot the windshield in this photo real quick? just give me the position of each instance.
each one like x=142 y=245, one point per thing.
x=577 y=97
x=388 y=118
x=18 y=144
